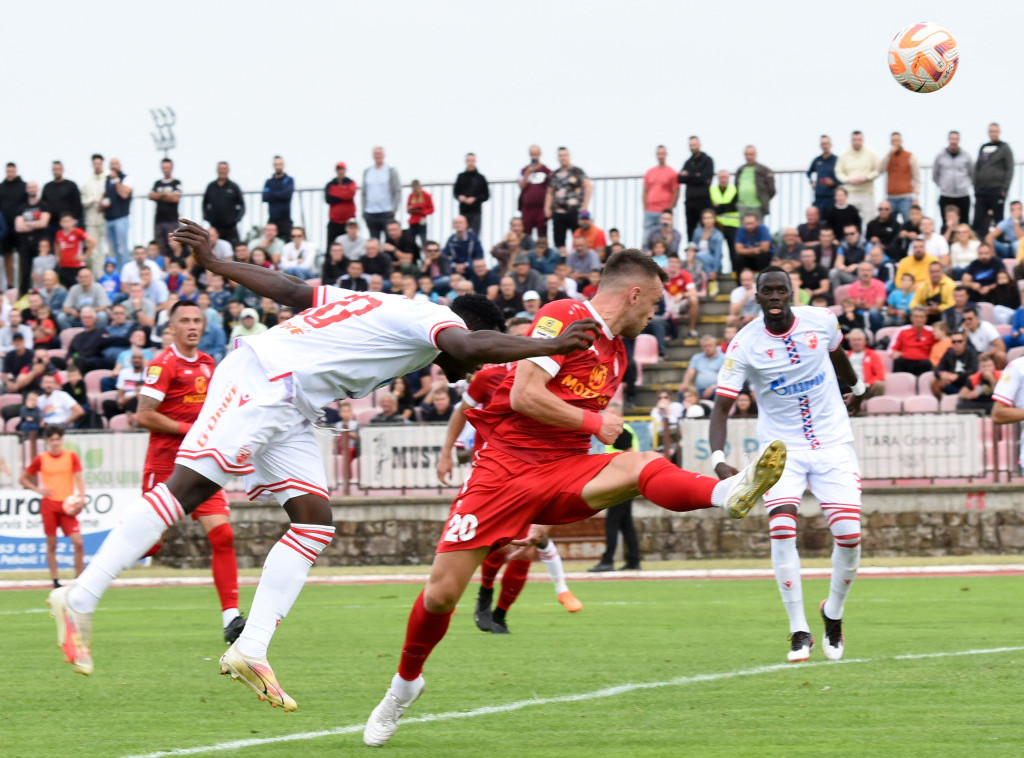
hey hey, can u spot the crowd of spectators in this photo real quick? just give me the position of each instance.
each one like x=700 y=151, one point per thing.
x=81 y=300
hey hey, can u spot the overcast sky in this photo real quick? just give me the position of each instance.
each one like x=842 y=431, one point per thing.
x=320 y=81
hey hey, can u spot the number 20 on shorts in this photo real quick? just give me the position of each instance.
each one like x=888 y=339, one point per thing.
x=461 y=528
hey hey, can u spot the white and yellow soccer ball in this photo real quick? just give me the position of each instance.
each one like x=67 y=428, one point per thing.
x=923 y=57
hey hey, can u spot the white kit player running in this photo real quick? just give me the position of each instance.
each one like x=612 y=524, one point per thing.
x=257 y=422
x=1008 y=407
x=792 y=358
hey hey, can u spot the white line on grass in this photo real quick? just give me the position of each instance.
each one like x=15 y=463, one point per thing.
x=578 y=697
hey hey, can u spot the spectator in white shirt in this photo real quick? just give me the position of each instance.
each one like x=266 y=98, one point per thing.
x=297 y=257
x=353 y=245
x=12 y=327
x=984 y=337
x=130 y=270
x=58 y=406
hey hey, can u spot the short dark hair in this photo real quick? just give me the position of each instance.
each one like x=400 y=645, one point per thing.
x=959 y=287
x=562 y=147
x=631 y=263
x=10 y=164
x=166 y=160
x=179 y=304
x=971 y=308
x=58 y=163
x=53 y=430
x=517 y=321
x=895 y=134
x=428 y=243
x=67 y=214
x=855 y=132
x=469 y=154
x=770 y=270
x=952 y=132
x=478 y=312
x=97 y=155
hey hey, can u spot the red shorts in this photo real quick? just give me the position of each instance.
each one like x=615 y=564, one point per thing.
x=217 y=504
x=504 y=495
x=53 y=515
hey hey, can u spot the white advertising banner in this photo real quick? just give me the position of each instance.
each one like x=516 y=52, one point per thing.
x=23 y=544
x=911 y=446
x=402 y=455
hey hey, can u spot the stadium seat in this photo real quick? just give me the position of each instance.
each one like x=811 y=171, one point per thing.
x=10 y=398
x=920 y=404
x=359 y=403
x=900 y=384
x=646 y=350
x=987 y=311
x=1014 y=353
x=1004 y=329
x=948 y=403
x=364 y=416
x=836 y=309
x=842 y=291
x=887 y=331
x=119 y=423
x=96 y=400
x=57 y=352
x=1010 y=263
x=924 y=384
x=69 y=334
x=12 y=425
x=883 y=404
x=883 y=355
x=93 y=378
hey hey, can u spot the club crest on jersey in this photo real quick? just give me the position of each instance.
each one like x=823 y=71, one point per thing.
x=200 y=385
x=598 y=377
x=153 y=376
x=771 y=352
x=811 y=339
x=548 y=327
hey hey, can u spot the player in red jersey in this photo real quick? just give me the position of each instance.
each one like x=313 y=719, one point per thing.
x=169 y=402
x=517 y=569
x=535 y=465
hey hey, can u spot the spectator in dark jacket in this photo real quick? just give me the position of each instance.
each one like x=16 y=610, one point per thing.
x=340 y=194
x=223 y=204
x=992 y=175
x=955 y=368
x=697 y=174
x=61 y=196
x=277 y=194
x=13 y=194
x=463 y=246
x=472 y=192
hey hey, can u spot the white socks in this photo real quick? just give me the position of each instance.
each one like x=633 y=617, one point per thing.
x=402 y=689
x=139 y=531
x=845 y=561
x=284 y=573
x=786 y=563
x=553 y=563
x=721 y=492
x=229 y=615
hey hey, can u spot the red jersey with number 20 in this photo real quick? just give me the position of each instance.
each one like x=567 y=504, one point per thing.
x=179 y=385
x=586 y=379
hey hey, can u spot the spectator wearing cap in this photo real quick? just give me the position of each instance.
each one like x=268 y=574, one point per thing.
x=419 y=205
x=524 y=275
x=531 y=304
x=340 y=194
x=594 y=236
x=472 y=192
x=667 y=233
x=352 y=244
x=955 y=368
x=249 y=326
x=582 y=260
x=462 y=246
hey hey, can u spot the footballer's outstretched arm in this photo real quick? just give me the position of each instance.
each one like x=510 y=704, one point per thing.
x=488 y=346
x=279 y=287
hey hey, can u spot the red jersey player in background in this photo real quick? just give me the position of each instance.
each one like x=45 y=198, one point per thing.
x=60 y=477
x=169 y=403
x=73 y=247
x=535 y=466
x=479 y=393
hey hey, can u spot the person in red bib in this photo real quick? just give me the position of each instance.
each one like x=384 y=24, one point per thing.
x=169 y=403
x=57 y=475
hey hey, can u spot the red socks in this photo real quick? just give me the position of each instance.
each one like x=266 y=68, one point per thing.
x=667 y=485
x=512 y=582
x=224 y=565
x=424 y=631
x=490 y=567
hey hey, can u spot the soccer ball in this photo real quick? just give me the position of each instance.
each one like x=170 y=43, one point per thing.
x=74 y=504
x=923 y=57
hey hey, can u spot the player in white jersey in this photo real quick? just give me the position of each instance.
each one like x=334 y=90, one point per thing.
x=792 y=358
x=1008 y=407
x=258 y=419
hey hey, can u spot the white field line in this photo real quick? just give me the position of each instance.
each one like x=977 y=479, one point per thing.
x=766 y=573
x=575 y=698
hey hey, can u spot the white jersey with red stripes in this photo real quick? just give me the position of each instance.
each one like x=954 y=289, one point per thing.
x=1010 y=390
x=349 y=343
x=792 y=376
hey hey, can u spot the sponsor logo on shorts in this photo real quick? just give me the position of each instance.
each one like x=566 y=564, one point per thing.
x=243 y=400
x=244 y=453
x=548 y=327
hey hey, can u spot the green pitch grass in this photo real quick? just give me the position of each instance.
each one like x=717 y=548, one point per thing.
x=715 y=648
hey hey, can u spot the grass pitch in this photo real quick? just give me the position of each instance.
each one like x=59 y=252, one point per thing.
x=704 y=661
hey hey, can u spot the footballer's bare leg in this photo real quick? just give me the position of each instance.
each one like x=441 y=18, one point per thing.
x=284 y=574
x=428 y=623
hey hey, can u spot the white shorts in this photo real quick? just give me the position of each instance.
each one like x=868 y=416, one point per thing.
x=832 y=474
x=249 y=427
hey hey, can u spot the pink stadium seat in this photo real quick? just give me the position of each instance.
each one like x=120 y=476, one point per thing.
x=1009 y=263
x=900 y=384
x=1015 y=352
x=646 y=350
x=948 y=403
x=364 y=416
x=10 y=398
x=987 y=311
x=359 y=403
x=119 y=423
x=836 y=309
x=883 y=404
x=69 y=334
x=12 y=425
x=57 y=352
x=920 y=404
x=886 y=359
x=887 y=331
x=841 y=292
x=924 y=384
x=93 y=378
x=1004 y=329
